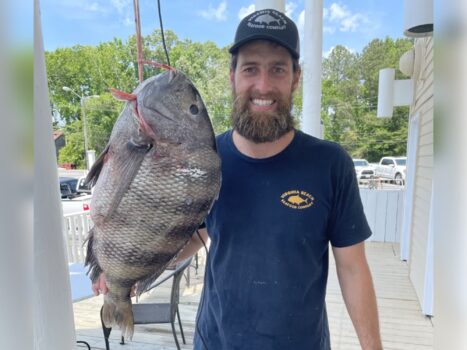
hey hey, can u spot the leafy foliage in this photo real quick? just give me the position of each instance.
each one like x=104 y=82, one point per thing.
x=349 y=90
x=92 y=70
x=350 y=96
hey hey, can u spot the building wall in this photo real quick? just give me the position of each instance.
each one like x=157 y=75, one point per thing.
x=423 y=107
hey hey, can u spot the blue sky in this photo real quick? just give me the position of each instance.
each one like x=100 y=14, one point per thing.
x=352 y=23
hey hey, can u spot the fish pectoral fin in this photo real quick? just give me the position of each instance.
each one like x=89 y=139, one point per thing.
x=129 y=161
x=96 y=168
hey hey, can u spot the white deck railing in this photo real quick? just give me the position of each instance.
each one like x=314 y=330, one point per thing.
x=75 y=229
x=384 y=211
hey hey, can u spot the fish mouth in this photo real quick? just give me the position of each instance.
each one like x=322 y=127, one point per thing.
x=146 y=128
x=159 y=114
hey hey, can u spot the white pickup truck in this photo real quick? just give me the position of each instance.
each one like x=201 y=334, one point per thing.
x=76 y=204
x=76 y=197
x=393 y=169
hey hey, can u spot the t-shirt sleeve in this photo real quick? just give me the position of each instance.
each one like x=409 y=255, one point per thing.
x=347 y=224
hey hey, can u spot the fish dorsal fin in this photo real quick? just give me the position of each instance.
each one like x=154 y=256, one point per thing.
x=122 y=95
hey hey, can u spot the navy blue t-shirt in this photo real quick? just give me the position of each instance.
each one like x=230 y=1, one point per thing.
x=267 y=267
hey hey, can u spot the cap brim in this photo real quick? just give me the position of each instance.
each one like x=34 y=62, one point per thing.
x=242 y=42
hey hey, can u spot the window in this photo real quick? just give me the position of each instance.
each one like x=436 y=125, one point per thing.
x=387 y=161
x=360 y=163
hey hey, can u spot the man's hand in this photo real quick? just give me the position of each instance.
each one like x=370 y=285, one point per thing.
x=100 y=286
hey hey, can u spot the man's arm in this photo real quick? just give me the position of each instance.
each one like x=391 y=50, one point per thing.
x=359 y=294
x=193 y=245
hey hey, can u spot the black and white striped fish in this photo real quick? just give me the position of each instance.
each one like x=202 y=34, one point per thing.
x=154 y=184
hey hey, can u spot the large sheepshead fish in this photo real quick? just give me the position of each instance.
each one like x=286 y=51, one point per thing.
x=154 y=184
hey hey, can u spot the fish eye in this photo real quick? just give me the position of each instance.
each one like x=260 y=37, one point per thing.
x=194 y=109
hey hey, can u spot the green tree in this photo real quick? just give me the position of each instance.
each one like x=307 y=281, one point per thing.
x=341 y=95
x=101 y=114
x=87 y=70
x=73 y=152
x=92 y=70
x=349 y=100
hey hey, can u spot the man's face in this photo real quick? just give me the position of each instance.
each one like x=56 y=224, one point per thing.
x=262 y=86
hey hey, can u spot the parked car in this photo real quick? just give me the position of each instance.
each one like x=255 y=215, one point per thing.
x=68 y=187
x=77 y=204
x=81 y=187
x=393 y=169
x=363 y=169
x=71 y=187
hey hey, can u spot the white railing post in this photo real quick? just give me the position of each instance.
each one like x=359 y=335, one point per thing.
x=76 y=228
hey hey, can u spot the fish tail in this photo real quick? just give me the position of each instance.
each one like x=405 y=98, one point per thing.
x=119 y=313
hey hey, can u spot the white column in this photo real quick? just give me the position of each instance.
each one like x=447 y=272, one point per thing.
x=278 y=5
x=90 y=158
x=312 y=63
x=450 y=186
x=16 y=325
x=53 y=315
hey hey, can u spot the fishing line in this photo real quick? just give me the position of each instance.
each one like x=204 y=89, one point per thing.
x=202 y=241
x=162 y=31
x=201 y=302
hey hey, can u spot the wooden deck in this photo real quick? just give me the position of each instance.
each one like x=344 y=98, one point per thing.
x=402 y=324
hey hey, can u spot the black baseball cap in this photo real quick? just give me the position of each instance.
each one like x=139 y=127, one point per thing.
x=268 y=24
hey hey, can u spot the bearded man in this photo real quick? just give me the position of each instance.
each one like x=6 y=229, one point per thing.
x=285 y=196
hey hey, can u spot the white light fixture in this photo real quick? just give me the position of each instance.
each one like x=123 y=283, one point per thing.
x=392 y=92
x=418 y=18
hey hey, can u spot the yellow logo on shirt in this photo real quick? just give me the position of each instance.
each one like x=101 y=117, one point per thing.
x=296 y=199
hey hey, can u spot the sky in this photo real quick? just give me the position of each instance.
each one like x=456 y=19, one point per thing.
x=352 y=23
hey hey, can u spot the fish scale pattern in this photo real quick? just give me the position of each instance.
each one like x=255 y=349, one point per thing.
x=163 y=206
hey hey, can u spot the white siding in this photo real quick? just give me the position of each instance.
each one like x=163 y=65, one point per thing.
x=423 y=105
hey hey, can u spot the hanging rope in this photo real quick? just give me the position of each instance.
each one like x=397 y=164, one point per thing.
x=139 y=43
x=139 y=40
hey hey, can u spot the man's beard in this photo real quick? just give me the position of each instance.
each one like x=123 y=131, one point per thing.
x=260 y=127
